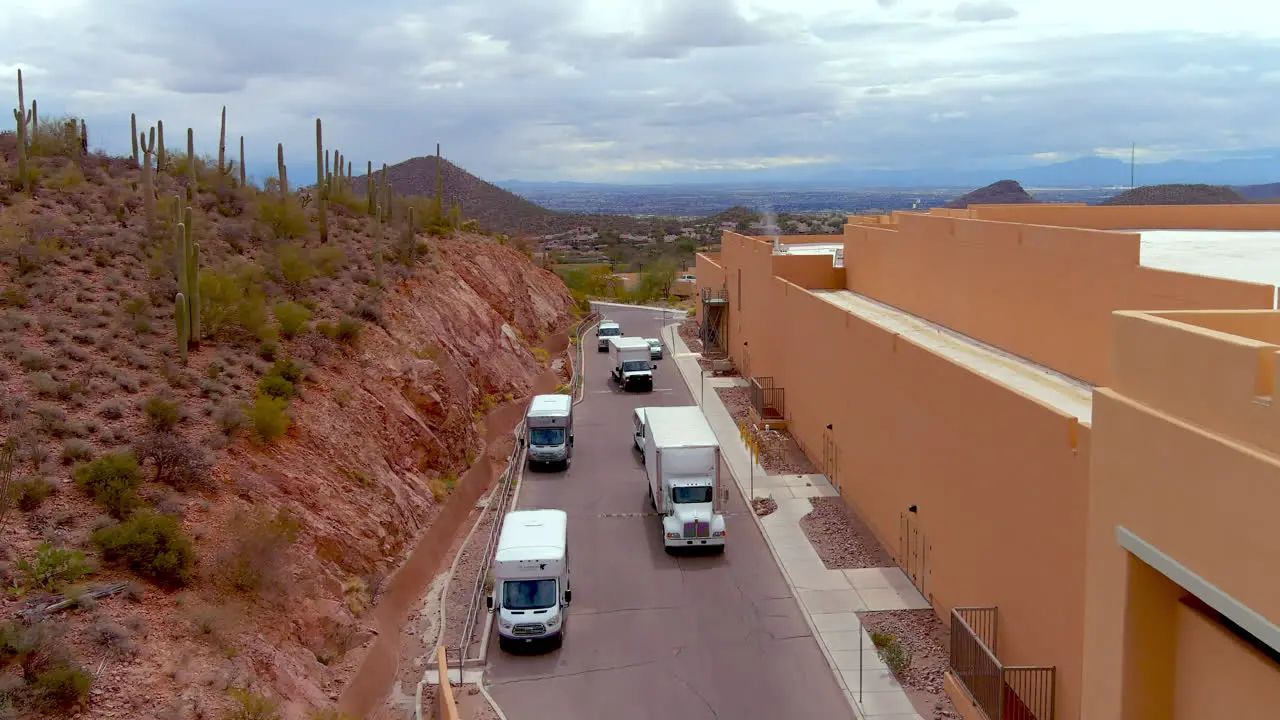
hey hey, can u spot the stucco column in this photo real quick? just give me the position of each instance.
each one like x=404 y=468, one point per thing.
x=1150 y=643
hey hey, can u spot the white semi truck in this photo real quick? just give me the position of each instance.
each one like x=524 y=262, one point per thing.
x=548 y=428
x=632 y=363
x=682 y=461
x=604 y=331
x=531 y=591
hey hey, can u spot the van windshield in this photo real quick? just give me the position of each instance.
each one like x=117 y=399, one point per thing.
x=698 y=494
x=609 y=331
x=546 y=436
x=528 y=594
x=635 y=365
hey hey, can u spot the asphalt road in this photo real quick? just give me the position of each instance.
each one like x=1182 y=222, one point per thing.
x=651 y=635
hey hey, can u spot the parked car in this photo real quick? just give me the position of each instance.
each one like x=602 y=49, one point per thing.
x=655 y=348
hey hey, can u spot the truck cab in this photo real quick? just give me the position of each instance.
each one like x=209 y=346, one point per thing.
x=531 y=592
x=548 y=427
x=604 y=331
x=633 y=364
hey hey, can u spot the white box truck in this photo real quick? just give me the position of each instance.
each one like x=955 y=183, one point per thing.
x=604 y=331
x=531 y=593
x=548 y=430
x=632 y=363
x=682 y=460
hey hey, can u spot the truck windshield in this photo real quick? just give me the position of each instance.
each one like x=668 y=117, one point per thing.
x=528 y=594
x=699 y=494
x=546 y=436
x=635 y=365
x=609 y=331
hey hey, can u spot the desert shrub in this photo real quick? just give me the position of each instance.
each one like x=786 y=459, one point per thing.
x=895 y=654
x=178 y=463
x=294 y=265
x=112 y=635
x=62 y=686
x=151 y=545
x=112 y=410
x=284 y=219
x=276 y=387
x=112 y=481
x=348 y=330
x=252 y=706
x=162 y=413
x=229 y=417
x=254 y=561
x=270 y=417
x=288 y=369
x=292 y=318
x=14 y=297
x=76 y=450
x=52 y=568
x=30 y=493
x=33 y=360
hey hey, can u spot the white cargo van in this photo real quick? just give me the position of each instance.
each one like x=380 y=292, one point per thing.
x=632 y=363
x=548 y=429
x=531 y=591
x=682 y=461
x=605 y=330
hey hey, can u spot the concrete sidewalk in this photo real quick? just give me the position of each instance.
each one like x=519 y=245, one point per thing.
x=830 y=599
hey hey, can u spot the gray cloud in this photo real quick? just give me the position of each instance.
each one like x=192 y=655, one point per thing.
x=528 y=88
x=984 y=11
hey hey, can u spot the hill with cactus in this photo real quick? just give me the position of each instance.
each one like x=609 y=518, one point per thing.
x=227 y=413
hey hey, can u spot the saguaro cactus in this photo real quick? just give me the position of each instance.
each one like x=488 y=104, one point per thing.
x=282 y=171
x=377 y=249
x=162 y=160
x=192 y=178
x=242 y=177
x=148 y=144
x=369 y=190
x=180 y=309
x=84 y=137
x=222 y=145
x=322 y=186
x=187 y=269
x=133 y=130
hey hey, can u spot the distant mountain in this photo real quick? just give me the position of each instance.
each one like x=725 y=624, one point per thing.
x=1269 y=191
x=1079 y=173
x=1003 y=192
x=1177 y=195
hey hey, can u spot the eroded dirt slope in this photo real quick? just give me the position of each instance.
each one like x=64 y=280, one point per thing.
x=252 y=499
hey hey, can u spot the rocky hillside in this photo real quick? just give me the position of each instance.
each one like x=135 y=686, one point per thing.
x=1177 y=195
x=494 y=209
x=1003 y=192
x=191 y=529
x=1269 y=191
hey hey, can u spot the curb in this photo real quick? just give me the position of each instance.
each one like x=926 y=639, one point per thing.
x=777 y=560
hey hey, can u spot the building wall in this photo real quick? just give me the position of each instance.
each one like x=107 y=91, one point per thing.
x=1045 y=293
x=1137 y=217
x=998 y=479
x=1219 y=675
x=1186 y=455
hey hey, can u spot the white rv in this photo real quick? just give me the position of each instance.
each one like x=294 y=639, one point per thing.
x=682 y=461
x=548 y=429
x=531 y=578
x=605 y=330
x=632 y=363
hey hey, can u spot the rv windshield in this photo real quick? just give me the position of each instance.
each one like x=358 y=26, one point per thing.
x=698 y=494
x=528 y=594
x=635 y=365
x=609 y=331
x=546 y=436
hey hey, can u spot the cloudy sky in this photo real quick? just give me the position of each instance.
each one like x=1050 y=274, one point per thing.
x=611 y=90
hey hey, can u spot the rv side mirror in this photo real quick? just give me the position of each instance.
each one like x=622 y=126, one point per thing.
x=568 y=596
x=653 y=366
x=488 y=603
x=521 y=442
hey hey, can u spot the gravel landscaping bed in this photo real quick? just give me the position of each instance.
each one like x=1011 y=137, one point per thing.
x=779 y=453
x=689 y=334
x=842 y=540
x=925 y=640
x=463 y=582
